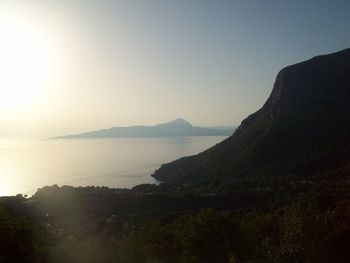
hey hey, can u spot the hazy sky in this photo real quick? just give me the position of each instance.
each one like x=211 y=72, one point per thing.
x=70 y=66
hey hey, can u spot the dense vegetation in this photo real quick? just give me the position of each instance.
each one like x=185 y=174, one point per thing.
x=20 y=240
x=297 y=233
x=304 y=230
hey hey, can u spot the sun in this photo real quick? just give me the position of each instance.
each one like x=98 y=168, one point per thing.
x=24 y=63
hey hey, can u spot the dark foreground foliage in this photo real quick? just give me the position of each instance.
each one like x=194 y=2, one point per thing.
x=302 y=231
x=298 y=233
x=20 y=240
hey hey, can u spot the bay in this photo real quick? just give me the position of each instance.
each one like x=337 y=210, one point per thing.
x=26 y=166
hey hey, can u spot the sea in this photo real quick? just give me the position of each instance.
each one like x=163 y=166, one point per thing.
x=27 y=165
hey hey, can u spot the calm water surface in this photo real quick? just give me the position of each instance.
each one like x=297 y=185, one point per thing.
x=125 y=162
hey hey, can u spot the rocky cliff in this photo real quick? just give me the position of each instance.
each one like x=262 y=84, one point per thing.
x=302 y=131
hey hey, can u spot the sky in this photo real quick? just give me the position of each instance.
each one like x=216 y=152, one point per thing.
x=73 y=66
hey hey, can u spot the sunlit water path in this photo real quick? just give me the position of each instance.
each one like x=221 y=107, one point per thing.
x=27 y=165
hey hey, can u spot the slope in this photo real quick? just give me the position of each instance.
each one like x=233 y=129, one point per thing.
x=302 y=131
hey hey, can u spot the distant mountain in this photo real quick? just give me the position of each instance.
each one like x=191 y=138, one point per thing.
x=178 y=127
x=302 y=133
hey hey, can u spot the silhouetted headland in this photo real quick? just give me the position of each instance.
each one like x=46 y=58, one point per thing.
x=178 y=127
x=302 y=132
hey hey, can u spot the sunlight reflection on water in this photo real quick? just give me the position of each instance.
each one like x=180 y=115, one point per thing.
x=123 y=162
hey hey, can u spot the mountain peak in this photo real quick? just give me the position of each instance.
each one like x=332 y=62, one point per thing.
x=177 y=122
x=181 y=120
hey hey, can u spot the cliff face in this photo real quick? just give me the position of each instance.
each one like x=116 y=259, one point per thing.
x=303 y=129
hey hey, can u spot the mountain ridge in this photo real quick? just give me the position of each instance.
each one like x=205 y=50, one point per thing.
x=177 y=127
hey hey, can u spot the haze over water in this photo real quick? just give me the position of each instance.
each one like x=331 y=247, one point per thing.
x=26 y=166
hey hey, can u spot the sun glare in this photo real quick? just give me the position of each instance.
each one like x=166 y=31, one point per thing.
x=24 y=63
x=5 y=181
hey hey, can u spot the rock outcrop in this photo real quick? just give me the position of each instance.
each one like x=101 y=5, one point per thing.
x=303 y=130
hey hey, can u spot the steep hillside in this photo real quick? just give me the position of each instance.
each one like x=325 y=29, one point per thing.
x=302 y=131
